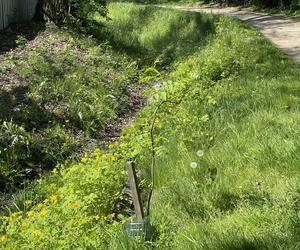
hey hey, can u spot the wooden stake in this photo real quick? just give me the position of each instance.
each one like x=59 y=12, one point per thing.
x=133 y=183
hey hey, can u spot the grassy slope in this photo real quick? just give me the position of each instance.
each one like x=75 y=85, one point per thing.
x=293 y=12
x=57 y=93
x=241 y=108
x=234 y=96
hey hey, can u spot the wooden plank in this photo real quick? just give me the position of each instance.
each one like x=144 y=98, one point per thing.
x=16 y=11
x=33 y=8
x=10 y=11
x=23 y=11
x=5 y=21
x=20 y=11
x=1 y=15
x=27 y=10
x=28 y=5
x=133 y=183
x=4 y=13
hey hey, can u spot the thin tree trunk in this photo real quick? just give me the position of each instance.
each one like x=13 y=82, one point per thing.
x=281 y=4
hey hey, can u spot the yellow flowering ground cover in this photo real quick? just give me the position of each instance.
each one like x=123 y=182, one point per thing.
x=75 y=214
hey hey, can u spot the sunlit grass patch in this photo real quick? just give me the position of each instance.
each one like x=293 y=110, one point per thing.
x=226 y=140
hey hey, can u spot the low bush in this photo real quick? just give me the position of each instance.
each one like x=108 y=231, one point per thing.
x=78 y=212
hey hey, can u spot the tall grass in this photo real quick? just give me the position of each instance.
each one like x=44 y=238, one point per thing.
x=234 y=97
x=237 y=99
x=141 y=32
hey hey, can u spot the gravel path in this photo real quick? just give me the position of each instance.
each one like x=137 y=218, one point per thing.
x=282 y=31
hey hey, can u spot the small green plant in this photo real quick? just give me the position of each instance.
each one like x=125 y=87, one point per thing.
x=21 y=41
x=14 y=150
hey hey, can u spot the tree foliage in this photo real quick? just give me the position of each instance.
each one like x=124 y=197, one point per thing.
x=283 y=4
x=63 y=11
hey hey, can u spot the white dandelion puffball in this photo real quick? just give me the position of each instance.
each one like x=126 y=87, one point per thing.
x=194 y=165
x=200 y=153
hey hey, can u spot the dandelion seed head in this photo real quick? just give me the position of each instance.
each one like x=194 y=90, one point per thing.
x=194 y=165
x=200 y=153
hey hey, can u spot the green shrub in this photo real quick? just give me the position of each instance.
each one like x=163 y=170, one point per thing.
x=77 y=212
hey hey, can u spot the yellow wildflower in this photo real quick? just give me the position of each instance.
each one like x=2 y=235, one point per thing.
x=40 y=205
x=211 y=100
x=43 y=212
x=55 y=171
x=30 y=214
x=3 y=238
x=50 y=187
x=53 y=199
x=83 y=221
x=36 y=233
x=84 y=159
x=5 y=218
x=28 y=202
x=24 y=223
x=96 y=217
x=16 y=215
x=97 y=150
x=77 y=204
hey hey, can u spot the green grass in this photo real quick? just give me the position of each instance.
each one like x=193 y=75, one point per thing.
x=62 y=90
x=240 y=104
x=141 y=33
x=234 y=96
x=259 y=6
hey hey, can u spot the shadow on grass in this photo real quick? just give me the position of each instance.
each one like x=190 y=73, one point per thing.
x=25 y=149
x=9 y=36
x=150 y=32
x=17 y=107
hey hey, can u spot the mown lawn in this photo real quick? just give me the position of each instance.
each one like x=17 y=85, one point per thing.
x=229 y=108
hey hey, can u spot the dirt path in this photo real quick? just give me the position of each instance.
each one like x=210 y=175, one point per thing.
x=282 y=31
